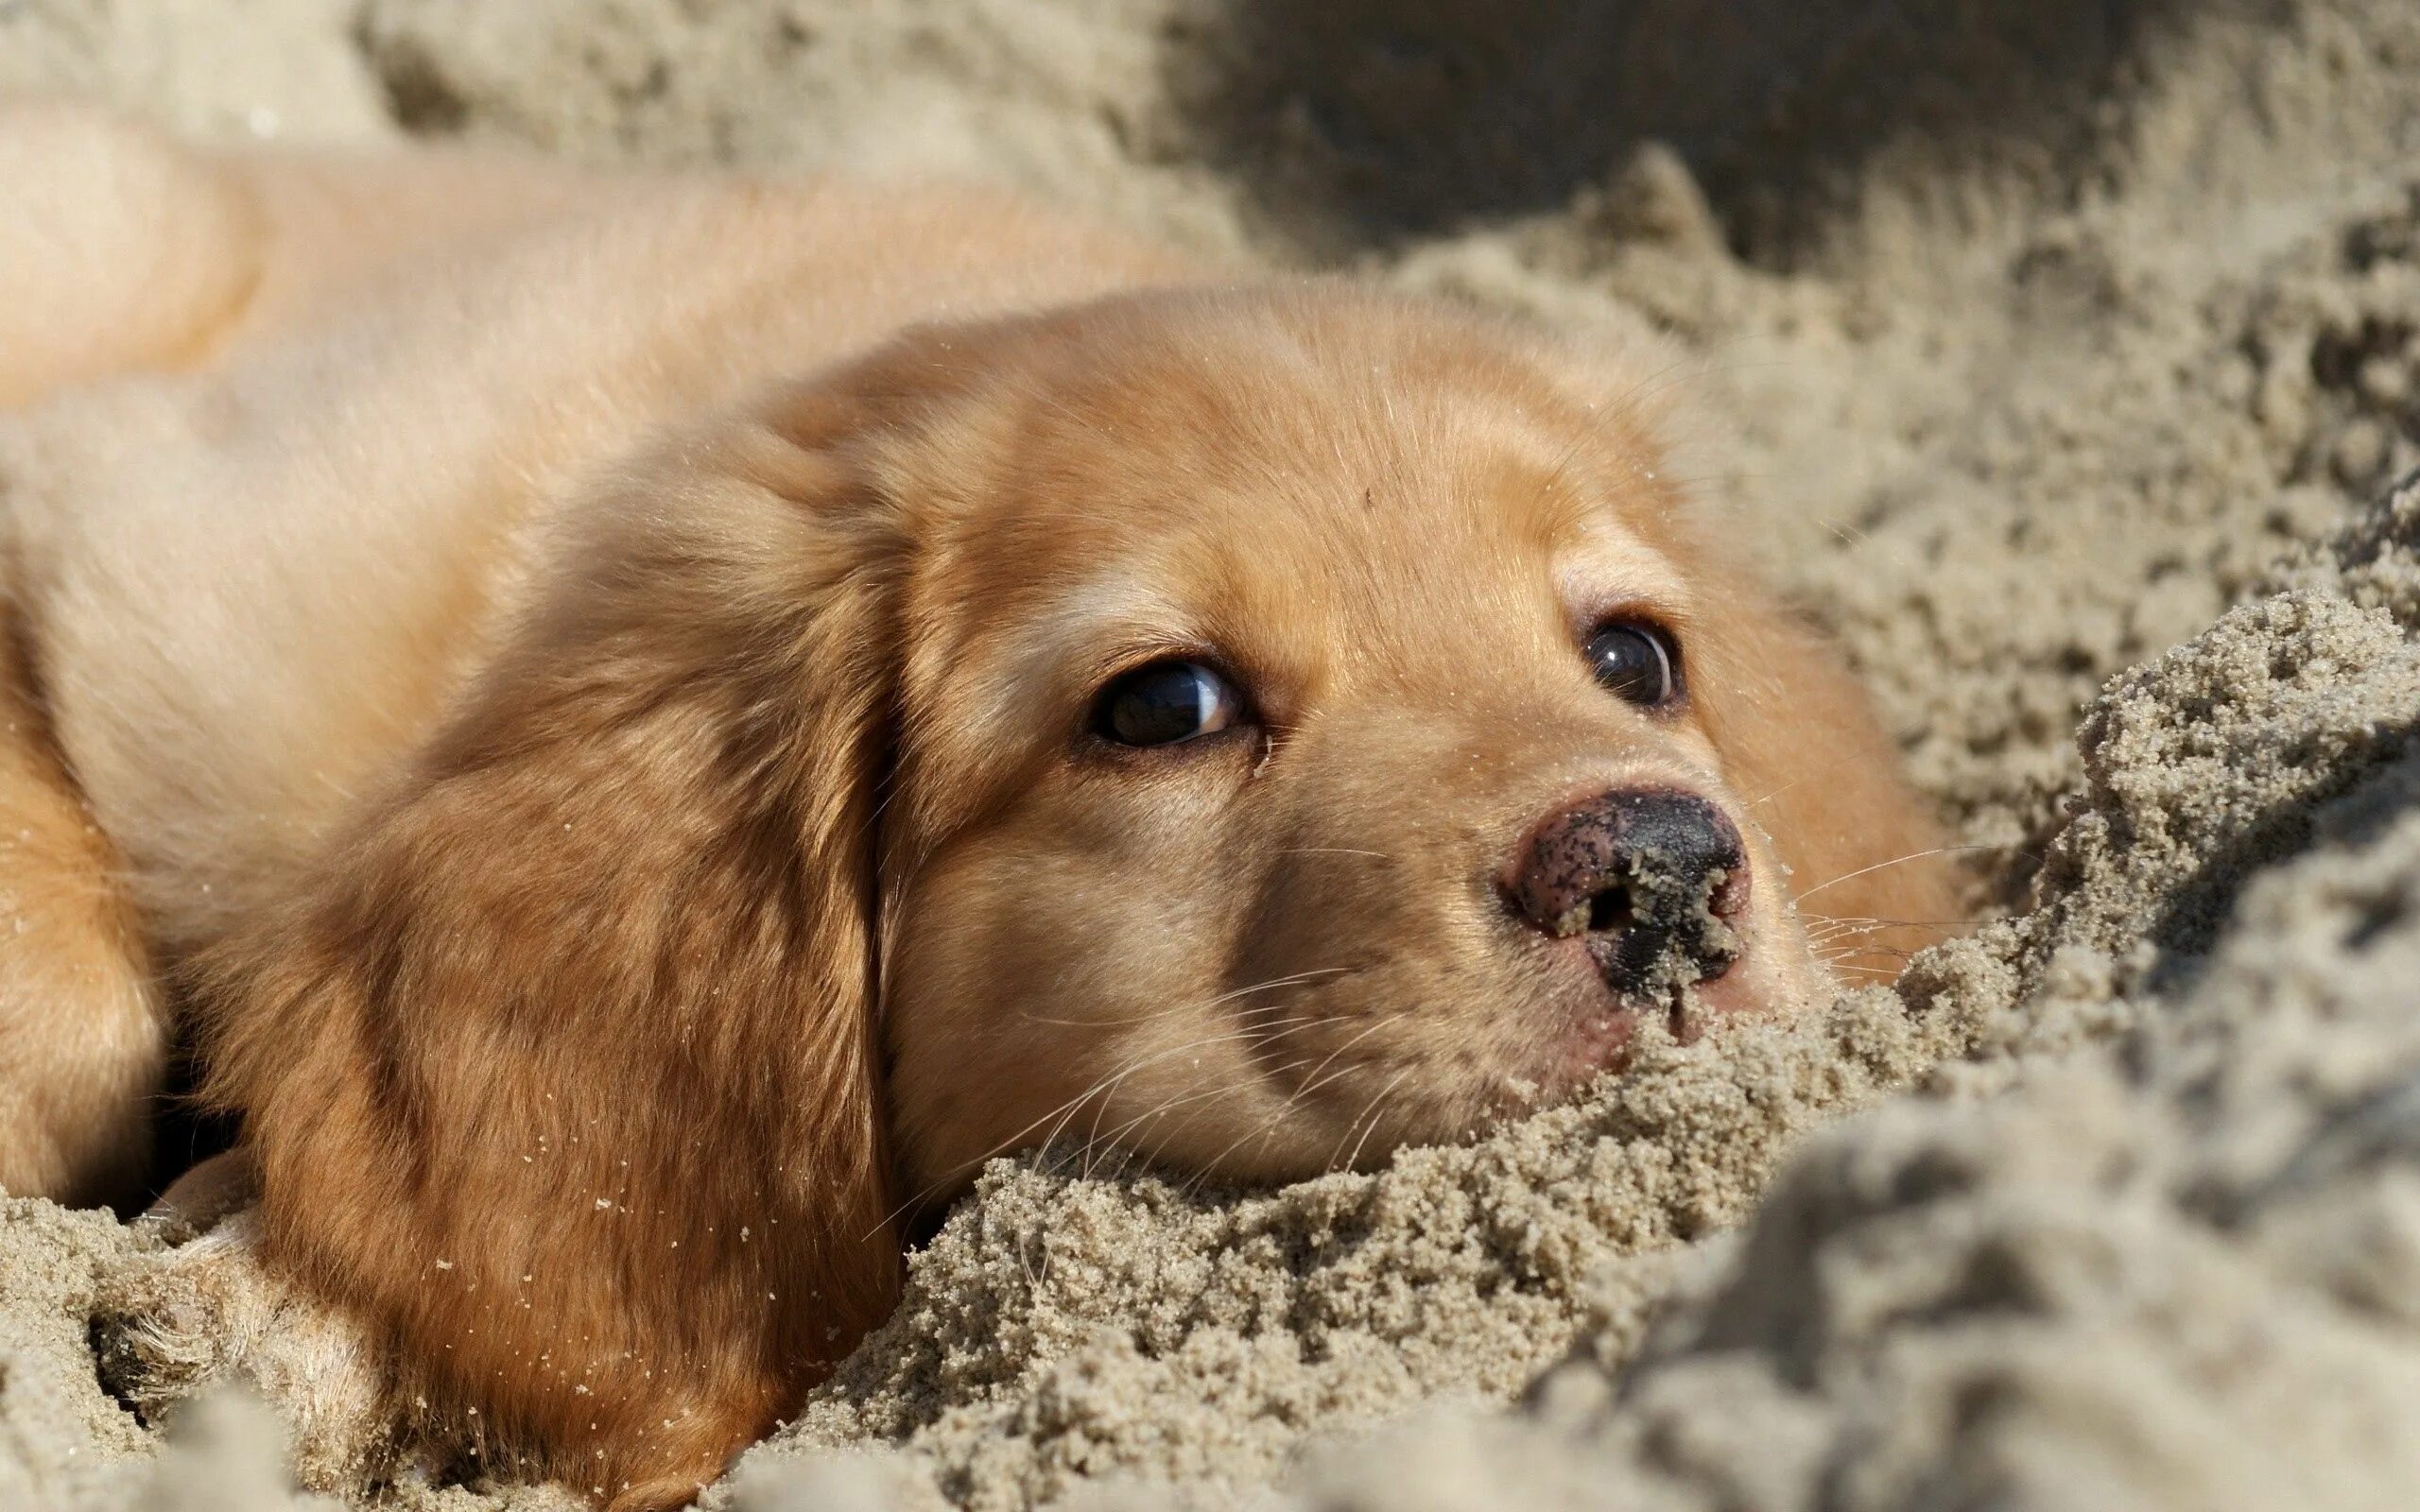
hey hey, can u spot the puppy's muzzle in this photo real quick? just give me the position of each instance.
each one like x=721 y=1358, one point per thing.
x=1651 y=879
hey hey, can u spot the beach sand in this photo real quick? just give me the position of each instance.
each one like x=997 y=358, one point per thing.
x=2062 y=357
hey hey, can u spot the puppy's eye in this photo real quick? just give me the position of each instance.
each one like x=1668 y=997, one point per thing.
x=1166 y=702
x=1637 y=662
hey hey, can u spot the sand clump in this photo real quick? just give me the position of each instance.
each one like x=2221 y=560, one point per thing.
x=2063 y=358
x=1070 y=1326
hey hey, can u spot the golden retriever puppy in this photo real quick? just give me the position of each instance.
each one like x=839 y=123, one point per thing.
x=642 y=728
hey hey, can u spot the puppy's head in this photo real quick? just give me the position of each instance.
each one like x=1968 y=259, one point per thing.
x=1326 y=725
x=1257 y=729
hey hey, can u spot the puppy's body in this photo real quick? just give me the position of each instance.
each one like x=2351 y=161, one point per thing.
x=249 y=577
x=277 y=568
x=594 y=721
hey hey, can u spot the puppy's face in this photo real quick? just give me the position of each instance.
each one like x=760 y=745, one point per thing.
x=1322 y=730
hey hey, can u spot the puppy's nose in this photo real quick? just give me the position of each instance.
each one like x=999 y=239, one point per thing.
x=1650 y=876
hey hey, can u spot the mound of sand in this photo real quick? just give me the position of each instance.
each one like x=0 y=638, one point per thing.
x=2062 y=356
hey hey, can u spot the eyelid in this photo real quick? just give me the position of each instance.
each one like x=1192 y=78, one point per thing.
x=1629 y=610
x=1134 y=657
x=1609 y=568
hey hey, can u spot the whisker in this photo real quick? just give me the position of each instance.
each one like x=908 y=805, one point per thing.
x=1109 y=1084
x=1778 y=792
x=1857 y=932
x=1370 y=1112
x=1189 y=1006
x=1853 y=538
x=1202 y=1178
x=1161 y=1111
x=1060 y=1115
x=1057 y=1117
x=1693 y=367
x=1310 y=1084
x=1894 y=861
x=1850 y=944
x=1847 y=952
x=1376 y=1114
x=1313 y=1083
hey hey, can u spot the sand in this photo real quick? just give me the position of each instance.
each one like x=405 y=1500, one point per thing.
x=2063 y=358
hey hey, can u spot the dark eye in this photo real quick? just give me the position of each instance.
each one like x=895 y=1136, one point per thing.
x=1637 y=662
x=1166 y=702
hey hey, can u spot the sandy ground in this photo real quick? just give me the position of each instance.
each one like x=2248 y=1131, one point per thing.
x=2064 y=356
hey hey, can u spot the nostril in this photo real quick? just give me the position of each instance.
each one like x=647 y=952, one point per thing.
x=1650 y=877
x=1611 y=909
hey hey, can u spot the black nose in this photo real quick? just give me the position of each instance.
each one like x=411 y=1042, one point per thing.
x=1651 y=877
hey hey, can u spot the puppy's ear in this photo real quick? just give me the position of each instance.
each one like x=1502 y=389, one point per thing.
x=1803 y=747
x=562 y=1068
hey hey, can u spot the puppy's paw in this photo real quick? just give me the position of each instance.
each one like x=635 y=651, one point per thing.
x=206 y=1310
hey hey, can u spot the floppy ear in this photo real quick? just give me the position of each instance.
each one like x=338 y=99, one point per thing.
x=1805 y=747
x=562 y=1068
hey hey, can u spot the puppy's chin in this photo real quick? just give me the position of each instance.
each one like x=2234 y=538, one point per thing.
x=1595 y=1030
x=1591 y=1031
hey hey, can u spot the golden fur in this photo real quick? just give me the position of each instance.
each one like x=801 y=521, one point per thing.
x=575 y=689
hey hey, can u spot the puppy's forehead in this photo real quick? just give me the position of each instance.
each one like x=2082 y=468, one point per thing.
x=1257 y=447
x=1324 y=496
